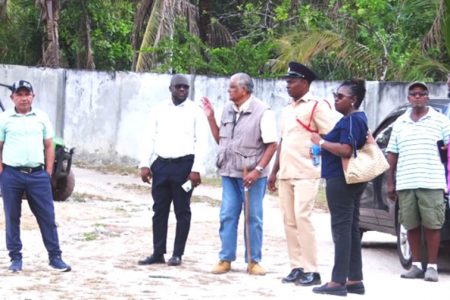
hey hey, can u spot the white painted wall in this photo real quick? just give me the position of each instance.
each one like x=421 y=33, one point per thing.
x=102 y=114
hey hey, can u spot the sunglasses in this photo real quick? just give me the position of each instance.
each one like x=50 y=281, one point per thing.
x=181 y=86
x=420 y=94
x=340 y=96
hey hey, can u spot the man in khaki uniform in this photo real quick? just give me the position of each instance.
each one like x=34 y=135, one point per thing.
x=298 y=177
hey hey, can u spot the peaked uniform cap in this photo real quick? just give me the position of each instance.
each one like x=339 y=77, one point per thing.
x=298 y=70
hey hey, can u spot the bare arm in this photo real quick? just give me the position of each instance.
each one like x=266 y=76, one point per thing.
x=276 y=166
x=253 y=175
x=338 y=149
x=392 y=159
x=1 y=156
x=49 y=151
x=209 y=112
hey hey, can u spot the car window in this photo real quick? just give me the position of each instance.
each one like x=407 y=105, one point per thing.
x=382 y=138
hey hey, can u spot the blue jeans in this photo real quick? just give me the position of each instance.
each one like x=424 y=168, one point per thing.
x=233 y=199
x=40 y=199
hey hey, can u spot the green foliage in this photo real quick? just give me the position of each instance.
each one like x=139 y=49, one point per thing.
x=371 y=39
x=20 y=34
x=185 y=53
x=388 y=32
x=111 y=27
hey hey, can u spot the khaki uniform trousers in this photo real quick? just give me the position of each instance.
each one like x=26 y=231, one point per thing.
x=296 y=199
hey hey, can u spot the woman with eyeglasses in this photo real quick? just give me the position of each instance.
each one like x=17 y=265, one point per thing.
x=349 y=134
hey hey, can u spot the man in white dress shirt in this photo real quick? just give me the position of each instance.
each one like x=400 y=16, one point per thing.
x=174 y=156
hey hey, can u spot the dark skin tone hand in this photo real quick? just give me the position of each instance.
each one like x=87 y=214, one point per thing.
x=194 y=177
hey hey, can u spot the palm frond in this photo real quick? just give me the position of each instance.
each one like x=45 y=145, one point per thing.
x=434 y=35
x=161 y=22
x=308 y=45
x=425 y=68
x=446 y=28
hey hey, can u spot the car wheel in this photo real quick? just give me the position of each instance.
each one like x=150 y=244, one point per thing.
x=64 y=187
x=403 y=248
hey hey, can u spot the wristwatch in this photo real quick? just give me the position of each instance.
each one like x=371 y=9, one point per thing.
x=321 y=142
x=259 y=169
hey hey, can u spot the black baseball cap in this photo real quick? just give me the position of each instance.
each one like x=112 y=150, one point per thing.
x=19 y=84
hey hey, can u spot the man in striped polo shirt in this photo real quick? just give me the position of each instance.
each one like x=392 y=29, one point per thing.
x=419 y=180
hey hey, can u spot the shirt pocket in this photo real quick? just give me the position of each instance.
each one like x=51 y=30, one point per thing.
x=227 y=128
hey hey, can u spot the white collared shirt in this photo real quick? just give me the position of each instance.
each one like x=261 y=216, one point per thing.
x=175 y=131
x=268 y=123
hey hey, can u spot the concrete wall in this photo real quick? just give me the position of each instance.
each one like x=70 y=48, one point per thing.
x=101 y=114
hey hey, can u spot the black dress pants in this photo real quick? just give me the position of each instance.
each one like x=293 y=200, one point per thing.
x=343 y=201
x=168 y=176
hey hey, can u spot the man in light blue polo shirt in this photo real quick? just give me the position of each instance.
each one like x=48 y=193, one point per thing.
x=26 y=164
x=419 y=175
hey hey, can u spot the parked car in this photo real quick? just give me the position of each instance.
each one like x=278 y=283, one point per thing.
x=378 y=212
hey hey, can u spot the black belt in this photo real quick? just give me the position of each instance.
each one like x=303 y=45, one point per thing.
x=177 y=159
x=27 y=170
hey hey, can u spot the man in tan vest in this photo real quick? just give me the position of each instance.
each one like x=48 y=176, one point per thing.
x=247 y=139
x=298 y=177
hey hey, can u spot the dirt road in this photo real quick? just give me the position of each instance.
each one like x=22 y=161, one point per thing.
x=106 y=227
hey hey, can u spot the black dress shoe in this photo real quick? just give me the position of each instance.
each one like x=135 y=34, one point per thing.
x=152 y=259
x=174 y=261
x=293 y=276
x=310 y=278
x=339 y=290
x=356 y=288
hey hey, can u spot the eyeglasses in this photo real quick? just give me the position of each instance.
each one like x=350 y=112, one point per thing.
x=340 y=96
x=420 y=94
x=181 y=86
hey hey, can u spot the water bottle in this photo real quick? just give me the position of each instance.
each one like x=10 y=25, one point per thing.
x=315 y=154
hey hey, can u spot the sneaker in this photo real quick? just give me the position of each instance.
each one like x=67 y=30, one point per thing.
x=255 y=269
x=431 y=274
x=16 y=265
x=222 y=267
x=58 y=264
x=413 y=273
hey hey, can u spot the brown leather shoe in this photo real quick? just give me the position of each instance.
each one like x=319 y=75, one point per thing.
x=255 y=268
x=222 y=267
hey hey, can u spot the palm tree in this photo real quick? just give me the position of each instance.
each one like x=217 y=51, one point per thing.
x=335 y=40
x=424 y=66
x=160 y=24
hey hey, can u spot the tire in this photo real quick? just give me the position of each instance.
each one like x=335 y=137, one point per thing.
x=64 y=187
x=403 y=248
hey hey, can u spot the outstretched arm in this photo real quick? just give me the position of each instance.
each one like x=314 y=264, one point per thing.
x=209 y=112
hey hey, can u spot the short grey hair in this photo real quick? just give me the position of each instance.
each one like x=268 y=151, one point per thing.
x=244 y=80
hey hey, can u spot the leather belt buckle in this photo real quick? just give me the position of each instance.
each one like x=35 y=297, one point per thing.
x=26 y=170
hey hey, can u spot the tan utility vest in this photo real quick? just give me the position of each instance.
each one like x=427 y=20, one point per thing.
x=240 y=142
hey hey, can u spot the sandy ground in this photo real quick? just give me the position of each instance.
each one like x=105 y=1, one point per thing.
x=105 y=227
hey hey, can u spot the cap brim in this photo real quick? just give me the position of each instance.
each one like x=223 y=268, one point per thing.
x=417 y=83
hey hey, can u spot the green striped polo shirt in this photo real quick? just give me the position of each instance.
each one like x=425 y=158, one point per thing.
x=23 y=137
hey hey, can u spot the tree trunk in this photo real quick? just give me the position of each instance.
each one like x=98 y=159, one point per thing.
x=50 y=15
x=3 y=7
x=87 y=53
x=143 y=9
x=204 y=21
x=293 y=12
